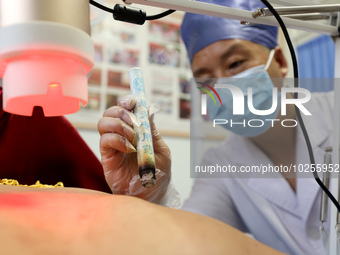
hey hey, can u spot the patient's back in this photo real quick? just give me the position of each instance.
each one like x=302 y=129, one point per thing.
x=77 y=221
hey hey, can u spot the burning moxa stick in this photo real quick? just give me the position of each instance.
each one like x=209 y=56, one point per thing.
x=145 y=153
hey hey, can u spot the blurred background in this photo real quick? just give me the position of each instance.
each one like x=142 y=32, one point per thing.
x=157 y=48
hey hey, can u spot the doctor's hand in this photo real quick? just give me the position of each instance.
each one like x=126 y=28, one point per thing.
x=118 y=144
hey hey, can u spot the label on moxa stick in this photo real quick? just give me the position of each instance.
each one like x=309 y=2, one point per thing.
x=145 y=152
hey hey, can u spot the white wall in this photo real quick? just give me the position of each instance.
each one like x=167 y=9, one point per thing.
x=180 y=150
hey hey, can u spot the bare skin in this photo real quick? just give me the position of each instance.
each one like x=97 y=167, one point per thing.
x=77 y=221
x=229 y=57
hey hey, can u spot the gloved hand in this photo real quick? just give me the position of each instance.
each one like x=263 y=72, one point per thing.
x=118 y=154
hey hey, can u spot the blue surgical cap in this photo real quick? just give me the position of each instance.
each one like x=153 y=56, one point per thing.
x=199 y=31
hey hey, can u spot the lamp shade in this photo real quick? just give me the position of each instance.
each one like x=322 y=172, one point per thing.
x=46 y=64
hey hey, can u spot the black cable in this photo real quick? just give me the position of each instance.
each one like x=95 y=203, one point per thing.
x=298 y=113
x=160 y=15
x=152 y=17
x=102 y=7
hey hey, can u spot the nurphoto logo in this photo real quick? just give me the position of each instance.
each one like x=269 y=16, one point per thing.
x=238 y=103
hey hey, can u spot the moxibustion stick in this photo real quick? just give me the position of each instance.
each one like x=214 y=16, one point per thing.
x=145 y=153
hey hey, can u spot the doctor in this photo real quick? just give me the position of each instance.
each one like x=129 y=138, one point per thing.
x=281 y=211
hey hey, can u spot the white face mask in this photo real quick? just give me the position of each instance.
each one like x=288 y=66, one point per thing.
x=263 y=92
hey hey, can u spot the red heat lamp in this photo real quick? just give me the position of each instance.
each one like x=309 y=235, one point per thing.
x=46 y=54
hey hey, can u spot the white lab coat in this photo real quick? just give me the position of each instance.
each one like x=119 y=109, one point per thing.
x=268 y=208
